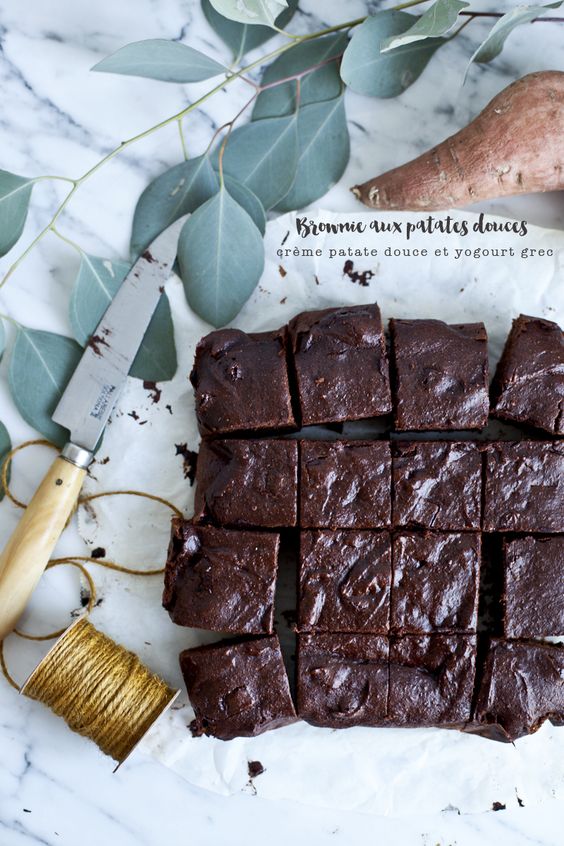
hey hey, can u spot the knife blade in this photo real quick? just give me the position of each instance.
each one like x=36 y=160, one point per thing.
x=84 y=409
x=93 y=389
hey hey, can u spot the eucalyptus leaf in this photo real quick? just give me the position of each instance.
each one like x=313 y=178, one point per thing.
x=41 y=364
x=157 y=58
x=250 y=11
x=493 y=45
x=323 y=83
x=15 y=192
x=437 y=20
x=174 y=193
x=263 y=155
x=368 y=71
x=242 y=38
x=2 y=339
x=244 y=197
x=221 y=257
x=324 y=152
x=5 y=447
x=96 y=284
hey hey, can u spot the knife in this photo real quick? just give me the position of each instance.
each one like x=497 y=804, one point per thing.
x=84 y=409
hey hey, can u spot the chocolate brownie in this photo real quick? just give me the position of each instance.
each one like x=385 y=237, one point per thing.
x=340 y=363
x=528 y=386
x=237 y=688
x=221 y=580
x=522 y=686
x=534 y=587
x=248 y=483
x=342 y=679
x=524 y=487
x=441 y=375
x=345 y=484
x=344 y=582
x=437 y=485
x=436 y=577
x=241 y=382
x=431 y=680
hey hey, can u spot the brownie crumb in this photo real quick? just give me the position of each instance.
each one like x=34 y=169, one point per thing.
x=255 y=769
x=498 y=806
x=358 y=277
x=190 y=461
x=154 y=391
x=99 y=552
x=282 y=271
x=197 y=728
x=95 y=342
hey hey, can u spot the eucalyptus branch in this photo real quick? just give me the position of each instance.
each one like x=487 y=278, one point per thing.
x=230 y=76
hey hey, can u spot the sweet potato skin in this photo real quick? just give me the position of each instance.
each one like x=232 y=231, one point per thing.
x=514 y=146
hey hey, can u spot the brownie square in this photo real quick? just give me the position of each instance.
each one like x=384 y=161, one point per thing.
x=241 y=382
x=342 y=679
x=237 y=688
x=431 y=680
x=534 y=587
x=522 y=686
x=435 y=582
x=221 y=580
x=437 y=485
x=345 y=484
x=340 y=363
x=344 y=582
x=248 y=483
x=524 y=487
x=441 y=375
x=528 y=386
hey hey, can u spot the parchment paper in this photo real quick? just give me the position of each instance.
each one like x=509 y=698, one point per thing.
x=381 y=771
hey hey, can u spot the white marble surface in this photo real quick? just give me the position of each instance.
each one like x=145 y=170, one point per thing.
x=56 y=117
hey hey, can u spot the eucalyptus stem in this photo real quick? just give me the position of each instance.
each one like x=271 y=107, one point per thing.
x=67 y=240
x=11 y=320
x=182 y=140
x=541 y=19
x=50 y=226
x=229 y=126
x=53 y=177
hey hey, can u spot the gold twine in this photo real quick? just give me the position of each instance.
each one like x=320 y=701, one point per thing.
x=101 y=690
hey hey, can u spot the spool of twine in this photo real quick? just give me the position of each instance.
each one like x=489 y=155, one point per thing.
x=101 y=690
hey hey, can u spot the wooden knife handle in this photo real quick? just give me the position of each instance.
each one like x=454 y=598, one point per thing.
x=29 y=549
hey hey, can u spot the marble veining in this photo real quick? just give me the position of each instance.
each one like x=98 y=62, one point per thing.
x=57 y=117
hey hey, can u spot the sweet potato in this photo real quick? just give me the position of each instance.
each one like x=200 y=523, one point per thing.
x=515 y=146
